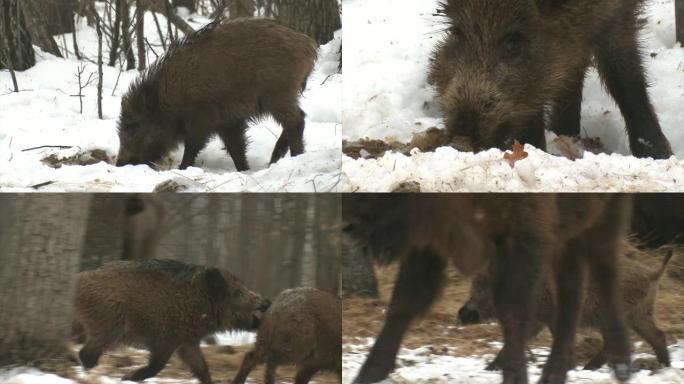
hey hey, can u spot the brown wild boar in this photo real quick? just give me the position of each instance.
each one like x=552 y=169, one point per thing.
x=164 y=306
x=503 y=63
x=303 y=326
x=215 y=81
x=144 y=214
x=638 y=290
x=519 y=234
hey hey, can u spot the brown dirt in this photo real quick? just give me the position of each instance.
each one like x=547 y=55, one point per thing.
x=82 y=158
x=223 y=361
x=363 y=317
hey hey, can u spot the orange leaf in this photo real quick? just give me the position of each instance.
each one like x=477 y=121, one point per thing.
x=517 y=154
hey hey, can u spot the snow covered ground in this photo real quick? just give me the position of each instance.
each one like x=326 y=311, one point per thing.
x=386 y=96
x=422 y=366
x=44 y=113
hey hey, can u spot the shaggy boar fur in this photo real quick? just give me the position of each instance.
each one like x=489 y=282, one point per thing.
x=638 y=289
x=503 y=63
x=163 y=306
x=519 y=234
x=215 y=81
x=303 y=326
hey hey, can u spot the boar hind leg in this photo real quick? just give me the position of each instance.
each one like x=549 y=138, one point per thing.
x=194 y=143
x=271 y=366
x=233 y=137
x=305 y=373
x=421 y=277
x=280 y=149
x=619 y=63
x=567 y=111
x=597 y=361
x=251 y=359
x=191 y=355
x=158 y=358
x=656 y=338
x=292 y=120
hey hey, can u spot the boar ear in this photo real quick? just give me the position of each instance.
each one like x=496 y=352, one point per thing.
x=216 y=285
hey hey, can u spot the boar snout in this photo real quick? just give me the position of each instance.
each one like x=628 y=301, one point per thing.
x=468 y=315
x=258 y=314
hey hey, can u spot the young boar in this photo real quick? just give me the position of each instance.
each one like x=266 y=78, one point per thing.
x=303 y=326
x=164 y=306
x=521 y=235
x=638 y=289
x=503 y=63
x=215 y=81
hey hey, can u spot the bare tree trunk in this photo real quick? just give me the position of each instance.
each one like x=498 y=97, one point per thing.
x=140 y=33
x=98 y=28
x=126 y=35
x=59 y=15
x=358 y=275
x=36 y=22
x=679 y=16
x=189 y=4
x=103 y=242
x=75 y=40
x=317 y=18
x=16 y=51
x=116 y=30
x=167 y=10
x=41 y=237
x=87 y=10
x=240 y=8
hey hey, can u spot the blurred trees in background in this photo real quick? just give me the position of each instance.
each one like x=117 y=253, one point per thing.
x=679 y=16
x=16 y=51
x=40 y=238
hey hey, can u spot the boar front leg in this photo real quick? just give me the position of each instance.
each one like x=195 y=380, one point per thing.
x=194 y=143
x=421 y=278
x=192 y=356
x=233 y=136
x=159 y=356
x=251 y=359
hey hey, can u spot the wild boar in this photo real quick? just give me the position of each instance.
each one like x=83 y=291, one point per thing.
x=215 y=81
x=638 y=289
x=521 y=235
x=303 y=326
x=163 y=306
x=503 y=63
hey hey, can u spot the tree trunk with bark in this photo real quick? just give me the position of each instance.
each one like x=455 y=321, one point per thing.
x=240 y=8
x=41 y=237
x=317 y=18
x=103 y=239
x=116 y=33
x=59 y=15
x=358 y=275
x=679 y=16
x=126 y=35
x=16 y=51
x=140 y=33
x=37 y=23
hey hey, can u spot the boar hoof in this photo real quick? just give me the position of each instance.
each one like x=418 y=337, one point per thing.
x=622 y=371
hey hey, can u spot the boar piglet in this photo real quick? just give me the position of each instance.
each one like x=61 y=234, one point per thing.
x=302 y=327
x=215 y=81
x=163 y=306
x=504 y=63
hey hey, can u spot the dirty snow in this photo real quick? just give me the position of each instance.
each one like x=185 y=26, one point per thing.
x=421 y=366
x=45 y=113
x=386 y=96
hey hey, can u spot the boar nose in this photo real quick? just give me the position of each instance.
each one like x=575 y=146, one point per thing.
x=264 y=305
x=468 y=123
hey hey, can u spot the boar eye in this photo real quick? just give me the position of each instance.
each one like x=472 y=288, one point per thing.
x=512 y=46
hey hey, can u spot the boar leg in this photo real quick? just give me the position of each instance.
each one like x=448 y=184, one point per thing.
x=568 y=277
x=194 y=143
x=597 y=361
x=292 y=121
x=280 y=149
x=233 y=137
x=567 y=111
x=656 y=338
x=159 y=356
x=517 y=273
x=192 y=356
x=269 y=375
x=619 y=63
x=420 y=279
x=603 y=245
x=305 y=373
x=251 y=359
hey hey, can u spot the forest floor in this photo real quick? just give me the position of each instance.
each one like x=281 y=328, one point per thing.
x=438 y=350
x=223 y=359
x=387 y=98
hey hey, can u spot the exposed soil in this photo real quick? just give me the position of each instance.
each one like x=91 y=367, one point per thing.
x=363 y=317
x=88 y=157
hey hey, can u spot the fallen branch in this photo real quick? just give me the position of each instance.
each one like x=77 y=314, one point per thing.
x=48 y=146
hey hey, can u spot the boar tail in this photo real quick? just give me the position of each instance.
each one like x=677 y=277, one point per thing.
x=655 y=276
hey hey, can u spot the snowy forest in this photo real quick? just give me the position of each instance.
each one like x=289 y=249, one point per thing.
x=66 y=65
x=270 y=242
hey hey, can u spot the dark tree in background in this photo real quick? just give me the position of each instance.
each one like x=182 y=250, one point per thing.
x=189 y=4
x=59 y=15
x=126 y=35
x=317 y=18
x=41 y=237
x=103 y=242
x=358 y=275
x=240 y=8
x=679 y=15
x=15 y=41
x=37 y=24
